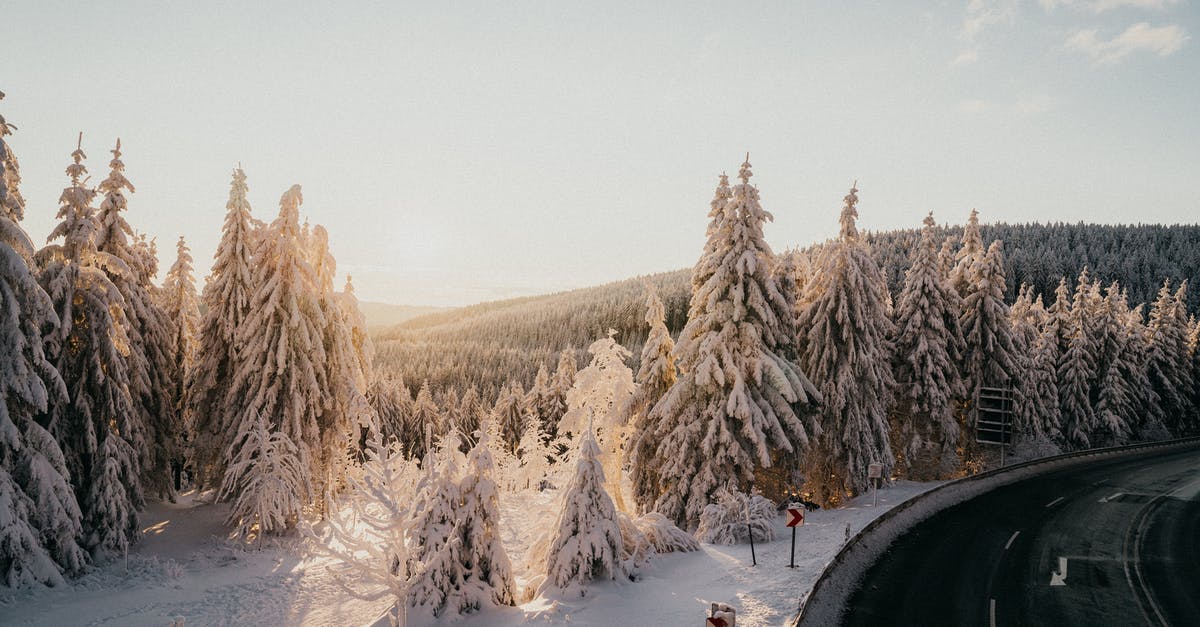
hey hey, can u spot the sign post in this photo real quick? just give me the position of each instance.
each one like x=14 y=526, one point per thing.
x=875 y=473
x=795 y=514
x=750 y=531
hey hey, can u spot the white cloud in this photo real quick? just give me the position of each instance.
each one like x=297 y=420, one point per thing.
x=1141 y=37
x=965 y=58
x=1102 y=6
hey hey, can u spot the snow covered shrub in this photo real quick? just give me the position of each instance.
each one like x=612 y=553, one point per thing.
x=725 y=522
x=637 y=550
x=663 y=536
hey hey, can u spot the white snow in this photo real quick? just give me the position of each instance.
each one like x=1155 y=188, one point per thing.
x=184 y=567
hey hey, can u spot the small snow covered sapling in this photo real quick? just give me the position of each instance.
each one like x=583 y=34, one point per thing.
x=586 y=545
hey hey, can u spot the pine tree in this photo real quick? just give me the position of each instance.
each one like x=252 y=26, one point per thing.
x=265 y=478
x=424 y=417
x=509 y=414
x=435 y=536
x=346 y=410
x=586 y=545
x=534 y=453
x=928 y=346
x=846 y=330
x=1075 y=370
x=156 y=424
x=989 y=360
x=226 y=299
x=89 y=350
x=655 y=376
x=1041 y=414
x=560 y=384
x=601 y=397
x=391 y=401
x=281 y=357
x=1139 y=345
x=471 y=411
x=739 y=401
x=488 y=572
x=39 y=516
x=181 y=305
x=1168 y=357
x=541 y=403
x=970 y=254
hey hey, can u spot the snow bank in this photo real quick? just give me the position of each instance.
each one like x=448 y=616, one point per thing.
x=828 y=597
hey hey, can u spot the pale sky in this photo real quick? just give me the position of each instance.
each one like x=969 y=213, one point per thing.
x=460 y=152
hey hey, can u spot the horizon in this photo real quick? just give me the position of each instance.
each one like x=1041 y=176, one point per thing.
x=474 y=156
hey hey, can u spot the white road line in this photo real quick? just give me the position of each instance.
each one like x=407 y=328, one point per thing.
x=1110 y=497
x=1010 y=540
x=1055 y=501
x=992 y=612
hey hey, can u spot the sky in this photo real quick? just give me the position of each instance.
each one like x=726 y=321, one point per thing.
x=471 y=151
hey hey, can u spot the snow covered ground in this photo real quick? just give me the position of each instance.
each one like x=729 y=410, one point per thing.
x=184 y=567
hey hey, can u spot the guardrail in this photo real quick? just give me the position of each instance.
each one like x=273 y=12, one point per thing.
x=826 y=601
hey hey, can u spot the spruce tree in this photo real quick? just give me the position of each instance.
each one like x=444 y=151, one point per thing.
x=488 y=574
x=435 y=539
x=281 y=356
x=424 y=418
x=601 y=397
x=1169 y=368
x=586 y=544
x=846 y=330
x=540 y=402
x=989 y=359
x=509 y=414
x=226 y=298
x=181 y=305
x=928 y=347
x=560 y=384
x=970 y=254
x=90 y=350
x=39 y=516
x=655 y=376
x=1075 y=370
x=740 y=400
x=265 y=479
x=150 y=359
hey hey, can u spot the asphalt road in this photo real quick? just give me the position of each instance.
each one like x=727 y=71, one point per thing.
x=1110 y=543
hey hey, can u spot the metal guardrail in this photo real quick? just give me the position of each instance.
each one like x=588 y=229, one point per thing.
x=841 y=558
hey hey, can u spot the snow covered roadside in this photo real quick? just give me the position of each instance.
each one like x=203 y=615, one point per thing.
x=184 y=567
x=678 y=588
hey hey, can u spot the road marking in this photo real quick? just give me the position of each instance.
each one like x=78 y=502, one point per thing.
x=1010 y=540
x=1055 y=501
x=1059 y=578
x=1110 y=497
x=992 y=612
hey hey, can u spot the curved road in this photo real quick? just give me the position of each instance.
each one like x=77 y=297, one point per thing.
x=1111 y=543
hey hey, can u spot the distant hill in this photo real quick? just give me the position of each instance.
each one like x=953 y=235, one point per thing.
x=381 y=315
x=491 y=343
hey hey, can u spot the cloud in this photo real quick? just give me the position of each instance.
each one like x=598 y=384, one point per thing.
x=982 y=14
x=965 y=58
x=1141 y=37
x=1103 y=6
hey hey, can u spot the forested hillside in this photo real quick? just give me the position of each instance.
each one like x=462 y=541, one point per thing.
x=489 y=344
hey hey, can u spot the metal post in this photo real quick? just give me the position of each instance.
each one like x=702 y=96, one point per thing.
x=750 y=531
x=874 y=492
x=793 y=564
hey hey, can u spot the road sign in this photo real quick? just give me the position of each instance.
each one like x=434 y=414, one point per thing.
x=795 y=517
x=715 y=621
x=875 y=471
x=995 y=416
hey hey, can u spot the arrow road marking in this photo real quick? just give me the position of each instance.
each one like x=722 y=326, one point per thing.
x=1055 y=502
x=1110 y=497
x=1059 y=578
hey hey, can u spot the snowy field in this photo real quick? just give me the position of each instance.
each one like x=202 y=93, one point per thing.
x=184 y=567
